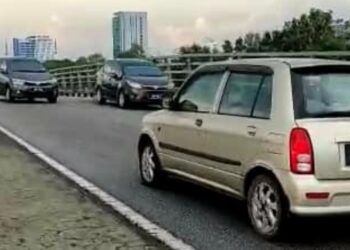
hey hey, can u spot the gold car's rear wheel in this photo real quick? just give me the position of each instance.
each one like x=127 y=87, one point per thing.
x=266 y=207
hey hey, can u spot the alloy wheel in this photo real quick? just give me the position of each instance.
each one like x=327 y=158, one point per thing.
x=121 y=99
x=264 y=208
x=148 y=164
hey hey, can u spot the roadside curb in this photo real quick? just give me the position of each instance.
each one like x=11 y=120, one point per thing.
x=106 y=199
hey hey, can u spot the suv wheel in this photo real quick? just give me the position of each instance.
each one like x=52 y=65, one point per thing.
x=99 y=97
x=8 y=95
x=150 y=168
x=122 y=99
x=266 y=207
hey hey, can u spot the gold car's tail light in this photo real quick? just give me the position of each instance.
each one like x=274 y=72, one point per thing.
x=301 y=152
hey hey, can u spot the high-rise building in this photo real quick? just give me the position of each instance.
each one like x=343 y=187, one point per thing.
x=42 y=48
x=129 y=28
x=341 y=27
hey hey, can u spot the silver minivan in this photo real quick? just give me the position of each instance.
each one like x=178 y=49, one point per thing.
x=272 y=132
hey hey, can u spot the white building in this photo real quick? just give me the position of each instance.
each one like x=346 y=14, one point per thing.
x=42 y=48
x=341 y=27
x=129 y=28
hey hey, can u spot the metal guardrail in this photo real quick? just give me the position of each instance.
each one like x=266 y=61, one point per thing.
x=81 y=80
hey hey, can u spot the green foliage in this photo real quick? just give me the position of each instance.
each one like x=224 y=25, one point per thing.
x=136 y=51
x=227 y=46
x=93 y=58
x=309 y=32
x=53 y=64
x=194 y=49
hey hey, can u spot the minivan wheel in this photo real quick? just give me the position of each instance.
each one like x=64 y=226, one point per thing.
x=8 y=95
x=150 y=168
x=99 y=97
x=266 y=207
x=52 y=99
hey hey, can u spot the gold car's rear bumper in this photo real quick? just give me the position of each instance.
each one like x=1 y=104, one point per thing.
x=297 y=187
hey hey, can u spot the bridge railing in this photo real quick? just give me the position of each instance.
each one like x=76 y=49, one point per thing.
x=81 y=80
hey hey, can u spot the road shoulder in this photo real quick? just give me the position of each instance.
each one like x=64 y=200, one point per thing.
x=39 y=210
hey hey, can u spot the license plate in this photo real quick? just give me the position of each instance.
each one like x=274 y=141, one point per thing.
x=38 y=89
x=156 y=97
x=347 y=155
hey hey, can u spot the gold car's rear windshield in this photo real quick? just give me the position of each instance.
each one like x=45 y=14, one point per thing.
x=321 y=92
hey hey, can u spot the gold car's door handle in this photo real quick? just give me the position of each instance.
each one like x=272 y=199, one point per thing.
x=251 y=130
x=199 y=122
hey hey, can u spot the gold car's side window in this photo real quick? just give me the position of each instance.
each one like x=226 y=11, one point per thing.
x=247 y=95
x=199 y=95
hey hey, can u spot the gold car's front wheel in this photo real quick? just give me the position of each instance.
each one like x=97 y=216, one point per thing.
x=266 y=207
x=150 y=169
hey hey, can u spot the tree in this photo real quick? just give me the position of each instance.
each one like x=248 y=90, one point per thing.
x=82 y=60
x=311 y=31
x=239 y=45
x=194 y=49
x=53 y=64
x=266 y=42
x=227 y=46
x=136 y=51
x=95 y=58
x=252 y=42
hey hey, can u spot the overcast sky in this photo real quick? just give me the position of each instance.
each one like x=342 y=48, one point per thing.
x=83 y=27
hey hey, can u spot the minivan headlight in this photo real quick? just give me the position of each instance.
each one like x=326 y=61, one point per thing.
x=134 y=85
x=18 y=83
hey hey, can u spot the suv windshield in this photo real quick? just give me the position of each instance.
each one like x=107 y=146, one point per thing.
x=142 y=70
x=322 y=92
x=26 y=66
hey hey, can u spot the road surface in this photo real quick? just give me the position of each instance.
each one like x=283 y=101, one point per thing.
x=99 y=143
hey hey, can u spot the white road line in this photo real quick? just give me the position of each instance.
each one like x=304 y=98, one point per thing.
x=135 y=218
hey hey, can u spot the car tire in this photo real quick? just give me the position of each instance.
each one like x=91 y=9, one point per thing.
x=8 y=95
x=52 y=99
x=99 y=97
x=123 y=100
x=267 y=208
x=150 y=167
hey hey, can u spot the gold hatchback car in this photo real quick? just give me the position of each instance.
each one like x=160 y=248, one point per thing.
x=273 y=132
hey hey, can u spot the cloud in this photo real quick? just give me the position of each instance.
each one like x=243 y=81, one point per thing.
x=84 y=26
x=200 y=23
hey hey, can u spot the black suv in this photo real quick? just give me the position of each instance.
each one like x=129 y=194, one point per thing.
x=129 y=81
x=26 y=79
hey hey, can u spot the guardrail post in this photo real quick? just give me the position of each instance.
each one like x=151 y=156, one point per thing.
x=168 y=68
x=189 y=64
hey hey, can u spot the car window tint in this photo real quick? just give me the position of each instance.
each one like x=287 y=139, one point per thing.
x=240 y=94
x=262 y=107
x=199 y=95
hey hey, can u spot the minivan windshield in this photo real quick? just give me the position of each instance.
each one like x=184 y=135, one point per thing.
x=324 y=93
x=142 y=70
x=31 y=66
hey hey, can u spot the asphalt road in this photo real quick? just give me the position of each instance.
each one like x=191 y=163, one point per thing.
x=99 y=143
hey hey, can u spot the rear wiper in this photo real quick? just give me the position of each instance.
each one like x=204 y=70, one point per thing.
x=331 y=114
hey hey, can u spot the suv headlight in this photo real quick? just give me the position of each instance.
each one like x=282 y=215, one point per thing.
x=18 y=83
x=134 y=85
